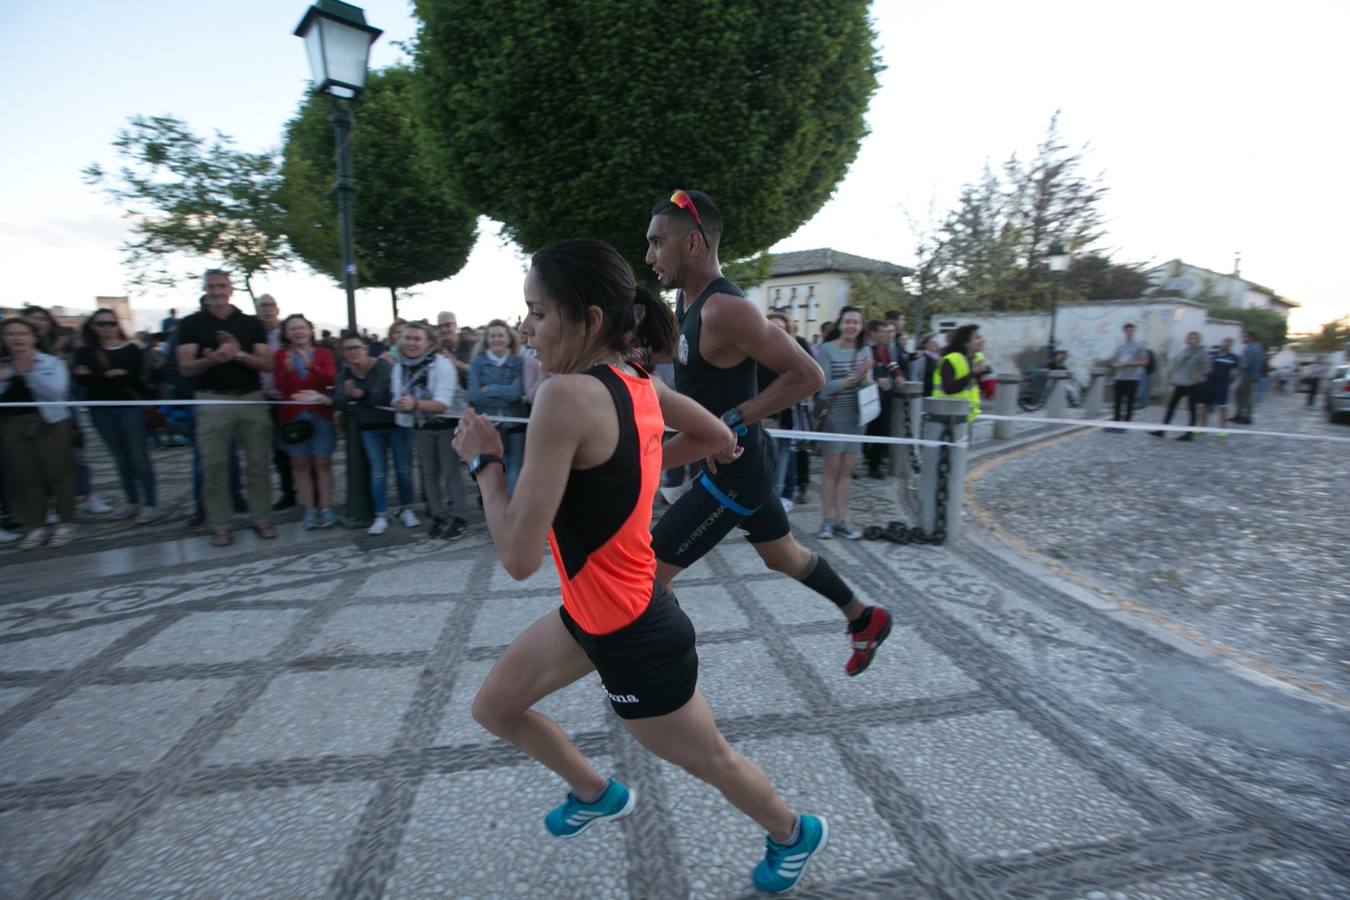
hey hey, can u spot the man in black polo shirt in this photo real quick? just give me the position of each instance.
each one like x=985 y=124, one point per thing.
x=221 y=351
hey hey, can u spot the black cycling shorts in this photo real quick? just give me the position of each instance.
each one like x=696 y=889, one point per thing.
x=648 y=667
x=738 y=495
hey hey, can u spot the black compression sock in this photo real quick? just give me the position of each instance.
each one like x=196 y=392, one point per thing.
x=820 y=577
x=860 y=623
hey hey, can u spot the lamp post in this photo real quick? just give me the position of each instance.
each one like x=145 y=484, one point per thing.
x=1059 y=262
x=338 y=41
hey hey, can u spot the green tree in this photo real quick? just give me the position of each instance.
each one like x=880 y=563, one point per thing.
x=1093 y=276
x=185 y=195
x=751 y=271
x=992 y=247
x=1269 y=326
x=572 y=119
x=411 y=226
x=1333 y=335
x=877 y=292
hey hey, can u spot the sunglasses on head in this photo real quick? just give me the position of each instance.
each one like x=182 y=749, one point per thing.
x=682 y=199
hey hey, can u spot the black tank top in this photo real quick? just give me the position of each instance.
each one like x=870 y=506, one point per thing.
x=712 y=387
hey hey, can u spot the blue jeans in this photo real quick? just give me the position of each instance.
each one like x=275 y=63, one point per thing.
x=236 y=486
x=782 y=458
x=377 y=442
x=514 y=442
x=1141 y=399
x=123 y=431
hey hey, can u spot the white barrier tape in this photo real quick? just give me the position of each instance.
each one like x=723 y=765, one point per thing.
x=1147 y=426
x=826 y=436
x=155 y=403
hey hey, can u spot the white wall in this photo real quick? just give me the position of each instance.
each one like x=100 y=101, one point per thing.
x=814 y=298
x=1090 y=332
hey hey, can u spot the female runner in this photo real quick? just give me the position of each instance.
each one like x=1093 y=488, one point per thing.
x=593 y=461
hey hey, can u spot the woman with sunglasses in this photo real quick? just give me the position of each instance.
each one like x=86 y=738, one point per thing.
x=363 y=390
x=36 y=440
x=593 y=461
x=109 y=367
x=306 y=372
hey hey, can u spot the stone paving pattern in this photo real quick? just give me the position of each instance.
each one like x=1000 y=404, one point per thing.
x=1242 y=538
x=290 y=719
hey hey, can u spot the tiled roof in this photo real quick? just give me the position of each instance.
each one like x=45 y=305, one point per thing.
x=800 y=262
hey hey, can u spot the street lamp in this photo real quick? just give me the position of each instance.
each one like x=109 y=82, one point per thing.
x=338 y=41
x=1059 y=262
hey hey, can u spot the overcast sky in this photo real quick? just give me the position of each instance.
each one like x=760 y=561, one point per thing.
x=1216 y=126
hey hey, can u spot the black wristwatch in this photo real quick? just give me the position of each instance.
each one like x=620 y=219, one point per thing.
x=484 y=459
x=735 y=421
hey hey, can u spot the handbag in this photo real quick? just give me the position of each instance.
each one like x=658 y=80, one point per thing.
x=297 y=431
x=869 y=402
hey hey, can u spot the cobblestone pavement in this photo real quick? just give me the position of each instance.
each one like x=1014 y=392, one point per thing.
x=291 y=719
x=1239 y=540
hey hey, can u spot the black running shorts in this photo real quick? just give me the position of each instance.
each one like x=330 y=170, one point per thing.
x=649 y=667
x=738 y=495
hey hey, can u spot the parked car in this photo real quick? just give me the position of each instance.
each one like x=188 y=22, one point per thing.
x=1338 y=393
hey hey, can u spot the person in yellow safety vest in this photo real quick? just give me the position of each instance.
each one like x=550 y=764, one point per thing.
x=958 y=373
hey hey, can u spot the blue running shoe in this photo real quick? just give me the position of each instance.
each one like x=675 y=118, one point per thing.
x=782 y=865
x=573 y=817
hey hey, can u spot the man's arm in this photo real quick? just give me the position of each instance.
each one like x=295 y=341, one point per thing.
x=261 y=358
x=190 y=365
x=735 y=328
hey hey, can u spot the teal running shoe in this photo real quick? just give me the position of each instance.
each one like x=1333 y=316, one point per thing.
x=782 y=866
x=573 y=817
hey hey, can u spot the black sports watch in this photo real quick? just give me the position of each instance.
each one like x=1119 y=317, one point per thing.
x=484 y=459
x=735 y=421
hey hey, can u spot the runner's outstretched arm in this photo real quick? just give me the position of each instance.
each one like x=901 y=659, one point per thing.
x=564 y=413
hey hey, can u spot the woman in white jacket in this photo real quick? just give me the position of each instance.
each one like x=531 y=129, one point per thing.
x=38 y=451
x=425 y=385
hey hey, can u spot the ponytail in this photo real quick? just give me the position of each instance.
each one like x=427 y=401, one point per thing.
x=655 y=329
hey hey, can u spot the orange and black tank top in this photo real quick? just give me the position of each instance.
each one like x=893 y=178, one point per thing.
x=601 y=536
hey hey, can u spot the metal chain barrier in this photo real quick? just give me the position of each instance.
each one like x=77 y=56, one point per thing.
x=898 y=532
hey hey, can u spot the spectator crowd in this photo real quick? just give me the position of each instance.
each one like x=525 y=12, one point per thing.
x=405 y=390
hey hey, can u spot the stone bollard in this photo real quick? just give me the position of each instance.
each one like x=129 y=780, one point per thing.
x=1005 y=404
x=1096 y=394
x=905 y=423
x=943 y=473
x=1054 y=401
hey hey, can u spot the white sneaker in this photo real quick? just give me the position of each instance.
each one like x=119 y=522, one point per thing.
x=787 y=504
x=379 y=526
x=95 y=504
x=148 y=515
x=33 y=539
x=408 y=519
x=52 y=518
x=123 y=511
x=8 y=537
x=61 y=535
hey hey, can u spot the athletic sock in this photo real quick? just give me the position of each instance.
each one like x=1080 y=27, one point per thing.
x=820 y=577
x=796 y=833
x=860 y=623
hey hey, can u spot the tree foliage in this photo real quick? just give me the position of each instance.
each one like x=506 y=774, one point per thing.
x=569 y=120
x=1333 y=335
x=1093 y=276
x=877 y=292
x=185 y=195
x=1270 y=327
x=990 y=250
x=410 y=225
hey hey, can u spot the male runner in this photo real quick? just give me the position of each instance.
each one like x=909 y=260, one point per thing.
x=723 y=337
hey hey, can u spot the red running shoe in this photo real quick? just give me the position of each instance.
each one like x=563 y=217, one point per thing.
x=866 y=641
